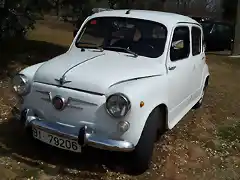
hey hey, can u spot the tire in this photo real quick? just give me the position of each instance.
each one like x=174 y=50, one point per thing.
x=29 y=134
x=200 y=101
x=141 y=157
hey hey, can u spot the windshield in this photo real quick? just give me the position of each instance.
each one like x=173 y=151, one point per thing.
x=135 y=36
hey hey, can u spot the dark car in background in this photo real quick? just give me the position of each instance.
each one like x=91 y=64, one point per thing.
x=200 y=18
x=218 y=35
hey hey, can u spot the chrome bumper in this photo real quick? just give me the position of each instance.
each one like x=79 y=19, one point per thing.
x=85 y=135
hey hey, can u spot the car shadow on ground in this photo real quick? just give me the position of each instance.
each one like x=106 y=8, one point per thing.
x=53 y=161
x=26 y=52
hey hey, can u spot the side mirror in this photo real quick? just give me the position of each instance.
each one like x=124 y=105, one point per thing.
x=177 y=45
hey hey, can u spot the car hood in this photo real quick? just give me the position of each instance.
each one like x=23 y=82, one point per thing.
x=96 y=71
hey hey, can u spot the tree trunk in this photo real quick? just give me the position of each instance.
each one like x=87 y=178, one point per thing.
x=236 y=47
x=57 y=8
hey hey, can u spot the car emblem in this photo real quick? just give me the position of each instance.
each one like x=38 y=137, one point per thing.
x=59 y=102
x=62 y=80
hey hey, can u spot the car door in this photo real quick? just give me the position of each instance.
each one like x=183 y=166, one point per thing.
x=180 y=67
x=198 y=59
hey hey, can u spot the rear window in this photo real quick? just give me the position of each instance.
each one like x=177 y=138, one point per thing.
x=196 y=41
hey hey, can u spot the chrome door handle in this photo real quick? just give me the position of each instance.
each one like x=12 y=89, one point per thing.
x=171 y=68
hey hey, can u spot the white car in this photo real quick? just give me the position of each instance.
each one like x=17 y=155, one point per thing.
x=128 y=76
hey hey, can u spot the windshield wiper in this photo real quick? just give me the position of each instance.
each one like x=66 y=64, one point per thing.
x=121 y=48
x=95 y=46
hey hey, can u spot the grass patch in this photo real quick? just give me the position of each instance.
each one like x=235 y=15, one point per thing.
x=233 y=61
x=32 y=174
x=230 y=133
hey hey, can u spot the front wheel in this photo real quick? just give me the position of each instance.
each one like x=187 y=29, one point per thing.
x=140 y=158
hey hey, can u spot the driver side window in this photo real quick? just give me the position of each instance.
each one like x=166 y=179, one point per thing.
x=180 y=47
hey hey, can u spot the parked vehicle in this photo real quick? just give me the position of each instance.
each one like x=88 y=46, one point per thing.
x=200 y=18
x=218 y=35
x=119 y=86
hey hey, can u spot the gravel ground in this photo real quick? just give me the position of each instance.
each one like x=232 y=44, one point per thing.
x=204 y=145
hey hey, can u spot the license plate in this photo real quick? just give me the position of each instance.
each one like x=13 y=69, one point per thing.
x=56 y=141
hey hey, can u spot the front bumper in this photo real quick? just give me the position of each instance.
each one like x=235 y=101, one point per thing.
x=85 y=136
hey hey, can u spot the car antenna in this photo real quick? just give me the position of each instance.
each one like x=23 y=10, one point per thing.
x=128 y=11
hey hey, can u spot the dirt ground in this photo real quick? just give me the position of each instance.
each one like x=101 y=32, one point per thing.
x=205 y=145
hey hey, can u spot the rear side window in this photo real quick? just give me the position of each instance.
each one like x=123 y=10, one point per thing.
x=196 y=41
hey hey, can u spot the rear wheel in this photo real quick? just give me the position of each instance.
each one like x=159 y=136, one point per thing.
x=141 y=157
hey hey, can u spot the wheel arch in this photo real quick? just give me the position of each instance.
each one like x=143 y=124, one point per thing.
x=164 y=114
x=207 y=80
x=162 y=110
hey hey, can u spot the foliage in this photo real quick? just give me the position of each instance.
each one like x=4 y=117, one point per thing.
x=230 y=133
x=17 y=17
x=140 y=4
x=77 y=10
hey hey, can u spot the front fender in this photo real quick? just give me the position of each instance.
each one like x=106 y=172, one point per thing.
x=30 y=71
x=152 y=91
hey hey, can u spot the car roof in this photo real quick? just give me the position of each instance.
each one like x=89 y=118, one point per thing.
x=168 y=19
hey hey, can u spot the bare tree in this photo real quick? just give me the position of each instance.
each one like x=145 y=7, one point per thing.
x=236 y=47
x=211 y=5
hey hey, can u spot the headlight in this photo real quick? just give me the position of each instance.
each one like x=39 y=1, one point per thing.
x=21 y=84
x=118 y=105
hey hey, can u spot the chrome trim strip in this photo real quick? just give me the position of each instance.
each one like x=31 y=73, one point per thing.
x=64 y=74
x=49 y=99
x=81 y=101
x=63 y=124
x=46 y=99
x=133 y=79
x=75 y=89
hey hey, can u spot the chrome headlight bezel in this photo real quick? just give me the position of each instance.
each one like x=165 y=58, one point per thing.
x=21 y=84
x=119 y=98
